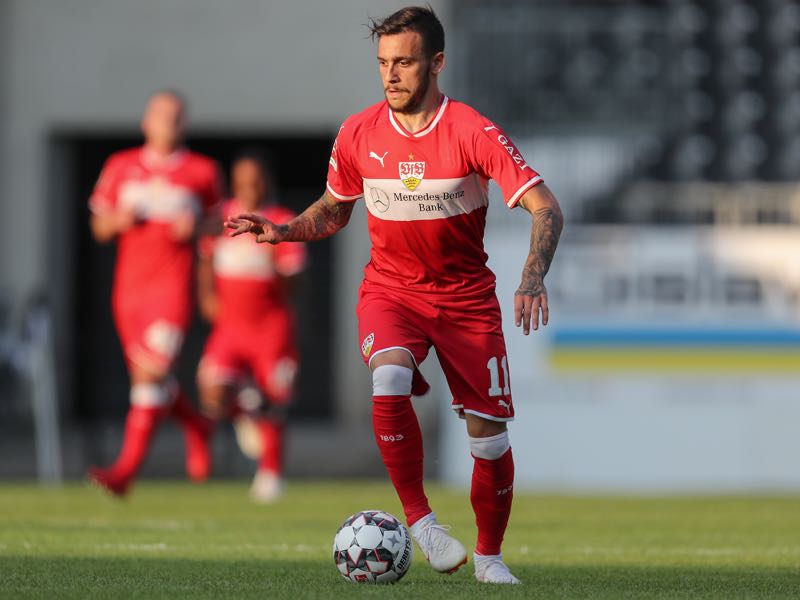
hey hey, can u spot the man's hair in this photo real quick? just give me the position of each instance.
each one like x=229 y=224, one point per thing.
x=420 y=19
x=260 y=157
x=254 y=154
x=173 y=93
x=167 y=91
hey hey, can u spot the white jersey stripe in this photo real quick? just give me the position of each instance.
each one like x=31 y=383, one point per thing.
x=157 y=199
x=397 y=127
x=435 y=121
x=242 y=259
x=340 y=197
x=525 y=187
x=390 y=200
x=425 y=131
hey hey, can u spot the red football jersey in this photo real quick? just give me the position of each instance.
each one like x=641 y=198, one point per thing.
x=159 y=192
x=248 y=274
x=426 y=194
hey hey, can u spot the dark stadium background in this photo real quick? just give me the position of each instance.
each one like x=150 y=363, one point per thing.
x=100 y=389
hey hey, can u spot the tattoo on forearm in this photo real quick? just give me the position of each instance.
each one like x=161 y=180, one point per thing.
x=320 y=220
x=545 y=231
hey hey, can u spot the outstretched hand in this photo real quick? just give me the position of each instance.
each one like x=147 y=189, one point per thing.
x=527 y=304
x=262 y=229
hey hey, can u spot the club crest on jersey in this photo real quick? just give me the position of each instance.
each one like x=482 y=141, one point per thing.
x=412 y=172
x=366 y=345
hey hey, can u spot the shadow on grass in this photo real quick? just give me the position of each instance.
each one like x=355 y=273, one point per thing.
x=132 y=577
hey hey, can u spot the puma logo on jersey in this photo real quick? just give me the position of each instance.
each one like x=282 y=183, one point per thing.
x=505 y=405
x=378 y=158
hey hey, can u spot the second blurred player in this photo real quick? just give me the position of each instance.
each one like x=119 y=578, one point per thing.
x=244 y=290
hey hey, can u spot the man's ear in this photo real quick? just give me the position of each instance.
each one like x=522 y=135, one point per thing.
x=438 y=63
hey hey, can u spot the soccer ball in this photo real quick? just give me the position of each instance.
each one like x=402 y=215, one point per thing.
x=372 y=546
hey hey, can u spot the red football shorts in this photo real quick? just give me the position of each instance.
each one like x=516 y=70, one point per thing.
x=152 y=329
x=265 y=353
x=466 y=334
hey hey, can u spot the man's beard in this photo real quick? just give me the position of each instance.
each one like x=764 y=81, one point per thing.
x=413 y=103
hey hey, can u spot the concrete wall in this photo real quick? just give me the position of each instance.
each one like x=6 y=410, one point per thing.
x=706 y=402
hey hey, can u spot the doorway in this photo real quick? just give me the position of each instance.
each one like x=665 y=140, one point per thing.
x=97 y=382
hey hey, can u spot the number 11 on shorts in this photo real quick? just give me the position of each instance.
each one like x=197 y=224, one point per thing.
x=494 y=377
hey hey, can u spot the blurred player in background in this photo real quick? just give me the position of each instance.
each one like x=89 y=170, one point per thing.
x=422 y=162
x=151 y=200
x=244 y=290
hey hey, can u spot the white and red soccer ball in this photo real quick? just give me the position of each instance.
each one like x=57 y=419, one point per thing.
x=372 y=546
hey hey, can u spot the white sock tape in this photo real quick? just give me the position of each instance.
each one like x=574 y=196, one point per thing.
x=149 y=395
x=391 y=380
x=490 y=448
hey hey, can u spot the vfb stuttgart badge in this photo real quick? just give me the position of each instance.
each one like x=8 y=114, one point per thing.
x=366 y=345
x=412 y=173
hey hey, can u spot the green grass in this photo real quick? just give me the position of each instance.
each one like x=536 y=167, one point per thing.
x=174 y=540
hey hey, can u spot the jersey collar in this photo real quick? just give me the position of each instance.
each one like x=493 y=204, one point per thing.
x=402 y=130
x=152 y=161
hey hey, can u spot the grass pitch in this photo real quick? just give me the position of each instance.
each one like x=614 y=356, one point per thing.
x=175 y=540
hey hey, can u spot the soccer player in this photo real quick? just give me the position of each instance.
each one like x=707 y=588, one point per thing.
x=422 y=161
x=150 y=199
x=244 y=291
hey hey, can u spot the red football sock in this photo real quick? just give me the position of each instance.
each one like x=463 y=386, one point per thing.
x=400 y=443
x=140 y=424
x=492 y=492
x=196 y=431
x=272 y=440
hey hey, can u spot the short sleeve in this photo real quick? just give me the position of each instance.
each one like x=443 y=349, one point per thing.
x=104 y=195
x=344 y=182
x=496 y=157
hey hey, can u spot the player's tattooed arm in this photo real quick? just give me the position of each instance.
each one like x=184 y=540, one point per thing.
x=531 y=296
x=320 y=220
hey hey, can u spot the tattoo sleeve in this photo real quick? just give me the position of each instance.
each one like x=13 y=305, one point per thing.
x=545 y=231
x=320 y=220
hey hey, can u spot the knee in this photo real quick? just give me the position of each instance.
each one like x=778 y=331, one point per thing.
x=150 y=374
x=150 y=395
x=214 y=401
x=396 y=356
x=489 y=448
x=480 y=427
x=391 y=380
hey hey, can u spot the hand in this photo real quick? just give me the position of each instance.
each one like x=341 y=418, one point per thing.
x=124 y=219
x=183 y=226
x=209 y=307
x=527 y=303
x=263 y=229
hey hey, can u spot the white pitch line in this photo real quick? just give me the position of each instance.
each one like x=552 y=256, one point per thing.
x=157 y=547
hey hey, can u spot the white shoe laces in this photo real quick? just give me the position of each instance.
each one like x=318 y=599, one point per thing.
x=433 y=542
